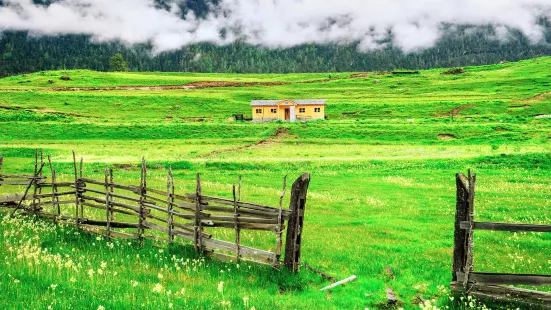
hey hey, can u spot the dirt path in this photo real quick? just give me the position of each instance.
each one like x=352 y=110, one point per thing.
x=193 y=85
x=272 y=139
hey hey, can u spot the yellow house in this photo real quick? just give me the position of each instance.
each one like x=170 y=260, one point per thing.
x=288 y=110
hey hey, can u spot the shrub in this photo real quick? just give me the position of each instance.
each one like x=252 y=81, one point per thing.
x=454 y=71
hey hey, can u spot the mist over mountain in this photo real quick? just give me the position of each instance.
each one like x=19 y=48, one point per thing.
x=269 y=36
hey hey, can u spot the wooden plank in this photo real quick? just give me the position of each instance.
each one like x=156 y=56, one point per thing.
x=249 y=226
x=165 y=229
x=118 y=204
x=102 y=231
x=57 y=184
x=222 y=209
x=507 y=227
x=257 y=254
x=227 y=218
x=57 y=202
x=225 y=257
x=102 y=207
x=15 y=176
x=116 y=195
x=130 y=188
x=26 y=182
x=252 y=206
x=504 y=291
x=15 y=198
x=66 y=193
x=111 y=224
x=506 y=278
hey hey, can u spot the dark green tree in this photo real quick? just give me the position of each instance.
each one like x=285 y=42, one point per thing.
x=117 y=63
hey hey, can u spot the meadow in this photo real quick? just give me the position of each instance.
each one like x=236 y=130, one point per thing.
x=383 y=168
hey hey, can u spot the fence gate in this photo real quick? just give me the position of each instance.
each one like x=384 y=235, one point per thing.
x=143 y=212
x=484 y=285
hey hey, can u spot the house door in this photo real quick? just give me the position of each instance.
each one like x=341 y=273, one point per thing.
x=287 y=115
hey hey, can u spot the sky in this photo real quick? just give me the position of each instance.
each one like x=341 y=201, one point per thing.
x=414 y=24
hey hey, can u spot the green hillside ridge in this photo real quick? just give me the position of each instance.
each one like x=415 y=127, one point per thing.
x=382 y=193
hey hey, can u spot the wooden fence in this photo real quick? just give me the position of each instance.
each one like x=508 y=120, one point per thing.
x=483 y=284
x=162 y=215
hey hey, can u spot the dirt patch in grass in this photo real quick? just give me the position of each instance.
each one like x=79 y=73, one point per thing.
x=358 y=75
x=43 y=111
x=524 y=106
x=446 y=136
x=535 y=98
x=457 y=110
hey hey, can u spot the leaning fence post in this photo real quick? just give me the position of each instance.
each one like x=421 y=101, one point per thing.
x=296 y=221
x=197 y=228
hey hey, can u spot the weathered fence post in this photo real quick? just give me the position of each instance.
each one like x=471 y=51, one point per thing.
x=107 y=204
x=55 y=199
x=36 y=190
x=469 y=232
x=296 y=221
x=236 y=225
x=1 y=163
x=462 y=252
x=170 y=203
x=143 y=191
x=76 y=189
x=198 y=227
x=79 y=184
x=279 y=229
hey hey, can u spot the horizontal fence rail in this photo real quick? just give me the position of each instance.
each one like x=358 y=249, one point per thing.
x=485 y=284
x=133 y=212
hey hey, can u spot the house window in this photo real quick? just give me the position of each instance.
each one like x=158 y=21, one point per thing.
x=302 y=110
x=258 y=111
x=274 y=111
x=317 y=109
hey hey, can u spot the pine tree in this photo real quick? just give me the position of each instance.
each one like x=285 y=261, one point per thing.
x=117 y=63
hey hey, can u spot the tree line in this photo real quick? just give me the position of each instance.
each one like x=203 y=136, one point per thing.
x=21 y=52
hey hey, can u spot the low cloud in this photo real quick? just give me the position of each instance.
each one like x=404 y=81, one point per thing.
x=410 y=25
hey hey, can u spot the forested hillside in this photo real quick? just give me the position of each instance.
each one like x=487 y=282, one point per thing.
x=22 y=52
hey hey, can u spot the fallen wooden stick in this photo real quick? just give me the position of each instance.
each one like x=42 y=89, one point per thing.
x=322 y=274
x=349 y=279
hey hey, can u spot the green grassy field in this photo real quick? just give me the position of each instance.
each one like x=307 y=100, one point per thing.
x=382 y=193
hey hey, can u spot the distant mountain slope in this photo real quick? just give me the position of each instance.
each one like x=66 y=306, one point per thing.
x=21 y=52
